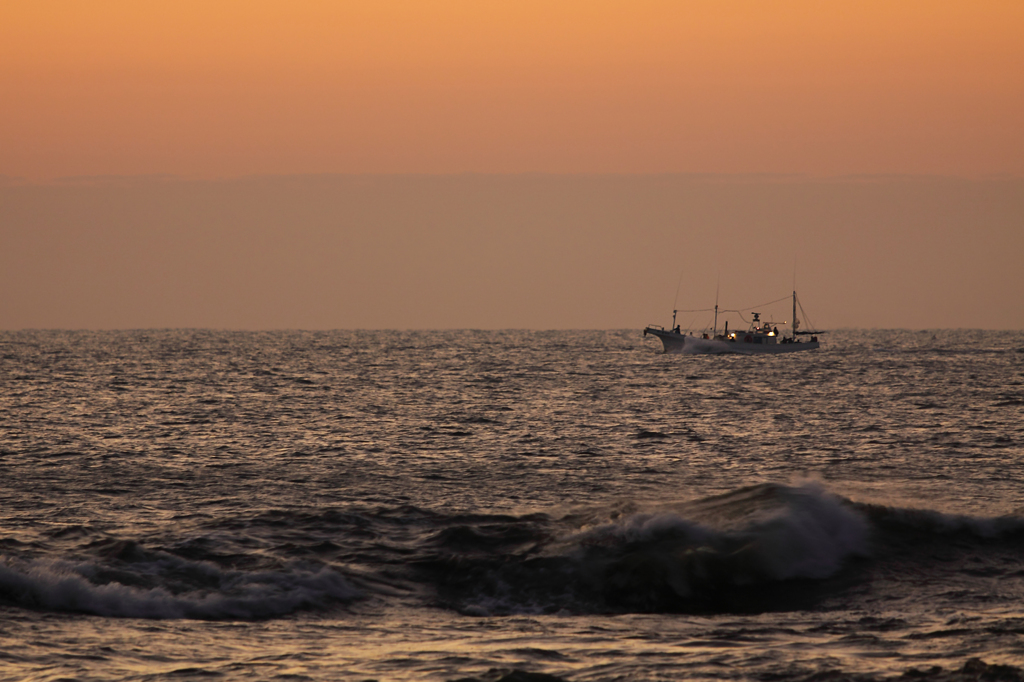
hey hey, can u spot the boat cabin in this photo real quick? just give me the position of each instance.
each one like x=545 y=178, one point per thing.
x=762 y=333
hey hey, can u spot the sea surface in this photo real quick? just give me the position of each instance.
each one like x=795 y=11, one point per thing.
x=488 y=504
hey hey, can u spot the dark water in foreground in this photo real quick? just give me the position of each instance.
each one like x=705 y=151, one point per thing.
x=352 y=505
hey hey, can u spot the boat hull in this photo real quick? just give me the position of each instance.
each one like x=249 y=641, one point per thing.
x=694 y=345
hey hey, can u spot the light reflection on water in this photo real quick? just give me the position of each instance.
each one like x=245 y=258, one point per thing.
x=429 y=645
x=426 y=471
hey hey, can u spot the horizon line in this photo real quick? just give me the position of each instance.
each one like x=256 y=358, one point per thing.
x=173 y=178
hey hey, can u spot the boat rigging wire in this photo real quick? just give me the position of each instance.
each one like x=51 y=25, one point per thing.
x=737 y=310
x=806 y=318
x=762 y=305
x=689 y=327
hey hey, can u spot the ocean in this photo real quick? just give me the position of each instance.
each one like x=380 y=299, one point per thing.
x=512 y=505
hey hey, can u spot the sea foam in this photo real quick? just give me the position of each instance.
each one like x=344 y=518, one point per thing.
x=65 y=586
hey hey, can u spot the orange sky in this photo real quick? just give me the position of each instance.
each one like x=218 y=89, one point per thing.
x=221 y=89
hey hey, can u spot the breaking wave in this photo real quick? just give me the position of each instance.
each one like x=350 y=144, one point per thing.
x=746 y=551
x=756 y=549
x=169 y=587
x=924 y=525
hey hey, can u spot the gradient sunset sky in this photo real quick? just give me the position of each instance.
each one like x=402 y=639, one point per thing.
x=895 y=130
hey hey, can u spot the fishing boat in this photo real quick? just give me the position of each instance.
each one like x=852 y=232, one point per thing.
x=759 y=337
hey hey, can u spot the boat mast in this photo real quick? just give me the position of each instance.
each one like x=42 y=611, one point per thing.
x=796 y=322
x=718 y=288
